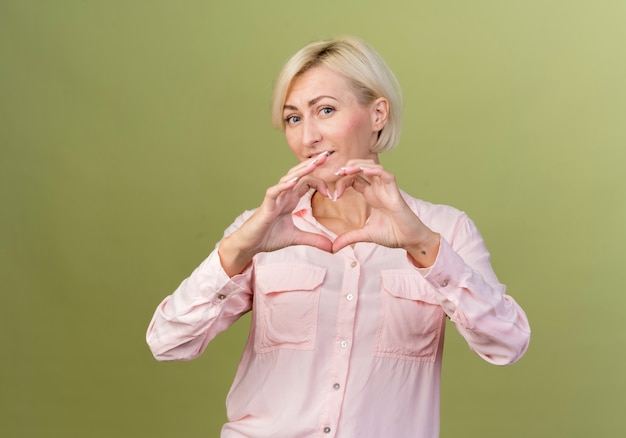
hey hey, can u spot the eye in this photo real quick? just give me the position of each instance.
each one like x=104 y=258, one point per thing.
x=292 y=120
x=327 y=110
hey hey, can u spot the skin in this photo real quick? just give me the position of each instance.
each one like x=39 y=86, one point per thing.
x=332 y=134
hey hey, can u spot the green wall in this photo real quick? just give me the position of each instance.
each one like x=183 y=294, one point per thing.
x=132 y=133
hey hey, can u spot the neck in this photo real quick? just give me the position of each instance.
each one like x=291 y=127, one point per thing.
x=346 y=213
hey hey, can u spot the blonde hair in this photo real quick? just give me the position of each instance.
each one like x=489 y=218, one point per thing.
x=368 y=74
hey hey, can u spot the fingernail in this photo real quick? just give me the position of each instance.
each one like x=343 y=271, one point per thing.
x=320 y=155
x=341 y=171
x=294 y=179
x=335 y=195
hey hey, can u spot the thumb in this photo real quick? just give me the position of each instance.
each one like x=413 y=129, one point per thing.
x=315 y=240
x=348 y=238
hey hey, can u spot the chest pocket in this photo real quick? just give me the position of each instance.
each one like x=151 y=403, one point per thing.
x=412 y=320
x=287 y=299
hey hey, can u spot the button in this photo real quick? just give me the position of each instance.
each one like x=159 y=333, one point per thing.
x=353 y=264
x=221 y=296
x=444 y=283
x=344 y=344
x=336 y=386
x=349 y=297
x=327 y=429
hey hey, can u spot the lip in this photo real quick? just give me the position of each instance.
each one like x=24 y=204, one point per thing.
x=317 y=153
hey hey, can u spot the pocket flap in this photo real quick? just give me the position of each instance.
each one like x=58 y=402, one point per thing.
x=409 y=285
x=287 y=277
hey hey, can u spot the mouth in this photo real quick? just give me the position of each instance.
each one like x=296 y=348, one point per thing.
x=318 y=153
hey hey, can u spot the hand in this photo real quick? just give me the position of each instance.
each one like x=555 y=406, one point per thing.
x=391 y=222
x=271 y=227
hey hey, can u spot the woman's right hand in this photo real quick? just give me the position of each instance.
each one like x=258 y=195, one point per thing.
x=271 y=227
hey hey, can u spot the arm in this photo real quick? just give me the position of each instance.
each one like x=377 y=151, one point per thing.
x=493 y=324
x=204 y=305
x=219 y=291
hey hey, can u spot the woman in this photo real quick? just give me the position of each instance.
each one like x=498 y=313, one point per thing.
x=349 y=279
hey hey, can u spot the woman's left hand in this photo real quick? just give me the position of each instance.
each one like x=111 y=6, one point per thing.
x=391 y=222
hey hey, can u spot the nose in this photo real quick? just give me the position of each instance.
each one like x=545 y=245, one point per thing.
x=311 y=134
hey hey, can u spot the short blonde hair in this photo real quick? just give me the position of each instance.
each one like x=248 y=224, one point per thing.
x=366 y=71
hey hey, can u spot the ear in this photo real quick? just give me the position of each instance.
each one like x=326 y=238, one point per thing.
x=380 y=113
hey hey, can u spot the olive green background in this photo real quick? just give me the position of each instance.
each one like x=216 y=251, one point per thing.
x=133 y=132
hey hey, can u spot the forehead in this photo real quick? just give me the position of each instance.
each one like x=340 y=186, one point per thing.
x=315 y=82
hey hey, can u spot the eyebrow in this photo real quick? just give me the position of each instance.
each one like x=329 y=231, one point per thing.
x=310 y=104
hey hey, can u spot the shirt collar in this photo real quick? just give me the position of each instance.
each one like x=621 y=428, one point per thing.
x=302 y=215
x=304 y=208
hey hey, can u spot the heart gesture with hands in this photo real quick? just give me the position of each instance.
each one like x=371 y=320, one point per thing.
x=391 y=222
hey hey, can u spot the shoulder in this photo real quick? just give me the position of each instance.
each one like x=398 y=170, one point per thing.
x=453 y=224
x=444 y=219
x=425 y=208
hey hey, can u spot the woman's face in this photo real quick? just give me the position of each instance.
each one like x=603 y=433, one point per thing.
x=323 y=114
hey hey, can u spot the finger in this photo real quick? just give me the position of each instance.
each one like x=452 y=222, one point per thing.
x=341 y=185
x=356 y=181
x=367 y=170
x=276 y=190
x=378 y=171
x=362 y=163
x=307 y=182
x=352 y=166
x=360 y=183
x=349 y=238
x=314 y=240
x=293 y=176
x=306 y=167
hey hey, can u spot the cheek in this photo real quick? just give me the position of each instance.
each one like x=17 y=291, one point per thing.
x=292 y=142
x=359 y=122
x=343 y=131
x=358 y=130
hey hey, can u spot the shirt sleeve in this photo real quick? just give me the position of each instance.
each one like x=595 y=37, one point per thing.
x=493 y=324
x=204 y=305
